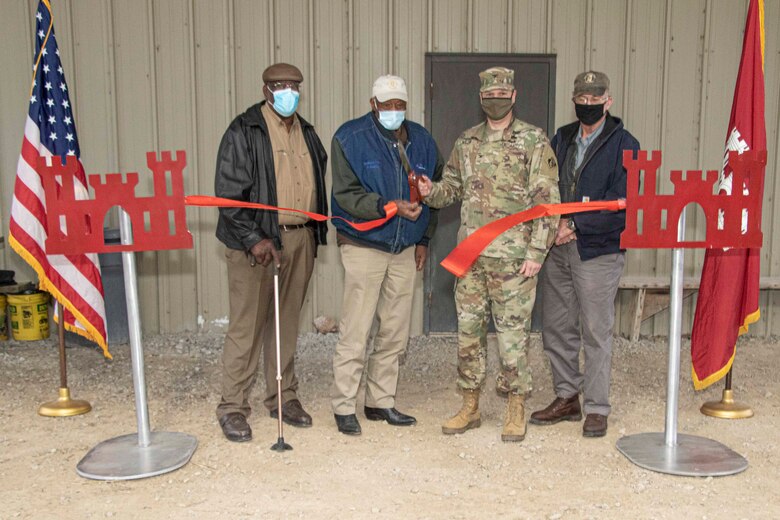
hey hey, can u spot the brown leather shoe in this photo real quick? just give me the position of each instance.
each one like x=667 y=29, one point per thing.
x=235 y=427
x=561 y=409
x=293 y=414
x=595 y=425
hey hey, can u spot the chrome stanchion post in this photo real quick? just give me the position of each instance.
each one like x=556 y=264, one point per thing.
x=134 y=329
x=675 y=331
x=145 y=453
x=669 y=452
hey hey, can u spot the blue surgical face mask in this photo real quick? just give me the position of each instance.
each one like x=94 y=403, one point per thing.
x=391 y=119
x=286 y=102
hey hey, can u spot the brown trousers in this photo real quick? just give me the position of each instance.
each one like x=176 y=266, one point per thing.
x=252 y=327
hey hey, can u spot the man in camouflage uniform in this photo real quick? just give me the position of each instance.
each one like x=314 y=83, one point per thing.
x=497 y=168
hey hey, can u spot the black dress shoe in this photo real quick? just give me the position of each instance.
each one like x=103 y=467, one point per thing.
x=293 y=414
x=391 y=415
x=235 y=427
x=348 y=424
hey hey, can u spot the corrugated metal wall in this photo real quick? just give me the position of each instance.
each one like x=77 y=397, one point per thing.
x=171 y=74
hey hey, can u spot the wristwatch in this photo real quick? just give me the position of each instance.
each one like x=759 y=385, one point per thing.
x=570 y=224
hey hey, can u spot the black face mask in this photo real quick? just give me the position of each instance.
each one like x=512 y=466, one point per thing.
x=589 y=114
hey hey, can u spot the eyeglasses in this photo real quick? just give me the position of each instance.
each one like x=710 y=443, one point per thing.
x=281 y=85
x=588 y=99
x=391 y=104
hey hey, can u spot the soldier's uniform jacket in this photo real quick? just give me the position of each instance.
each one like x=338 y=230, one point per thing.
x=497 y=173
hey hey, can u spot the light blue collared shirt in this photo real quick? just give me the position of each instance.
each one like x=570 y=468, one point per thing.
x=583 y=143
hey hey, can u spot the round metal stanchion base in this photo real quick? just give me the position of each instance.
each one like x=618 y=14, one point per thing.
x=692 y=456
x=727 y=408
x=64 y=406
x=121 y=458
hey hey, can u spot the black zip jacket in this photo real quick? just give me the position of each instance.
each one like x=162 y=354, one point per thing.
x=245 y=171
x=601 y=176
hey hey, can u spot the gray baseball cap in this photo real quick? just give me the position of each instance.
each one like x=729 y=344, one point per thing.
x=590 y=82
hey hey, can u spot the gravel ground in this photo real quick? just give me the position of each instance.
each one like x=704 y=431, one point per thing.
x=387 y=472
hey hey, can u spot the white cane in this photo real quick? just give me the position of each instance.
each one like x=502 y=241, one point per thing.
x=280 y=444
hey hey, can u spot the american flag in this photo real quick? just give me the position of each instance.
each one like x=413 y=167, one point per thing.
x=74 y=280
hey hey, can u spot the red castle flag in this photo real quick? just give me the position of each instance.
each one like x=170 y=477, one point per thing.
x=728 y=293
x=74 y=280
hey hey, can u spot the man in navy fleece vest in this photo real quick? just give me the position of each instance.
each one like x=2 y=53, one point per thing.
x=581 y=274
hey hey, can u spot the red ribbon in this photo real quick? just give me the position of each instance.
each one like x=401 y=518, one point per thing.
x=459 y=261
x=203 y=200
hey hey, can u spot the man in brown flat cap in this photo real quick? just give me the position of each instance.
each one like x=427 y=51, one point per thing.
x=268 y=155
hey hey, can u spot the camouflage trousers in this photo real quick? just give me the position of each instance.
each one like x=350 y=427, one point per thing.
x=495 y=284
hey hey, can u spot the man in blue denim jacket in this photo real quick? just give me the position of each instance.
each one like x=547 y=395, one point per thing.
x=372 y=158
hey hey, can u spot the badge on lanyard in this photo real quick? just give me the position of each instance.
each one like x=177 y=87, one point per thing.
x=585 y=199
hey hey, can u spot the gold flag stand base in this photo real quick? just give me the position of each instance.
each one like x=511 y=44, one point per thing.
x=64 y=406
x=727 y=408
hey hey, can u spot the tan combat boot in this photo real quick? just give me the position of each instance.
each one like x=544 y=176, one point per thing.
x=467 y=418
x=514 y=423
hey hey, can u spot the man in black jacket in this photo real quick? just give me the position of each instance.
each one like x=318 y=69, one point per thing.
x=268 y=155
x=580 y=277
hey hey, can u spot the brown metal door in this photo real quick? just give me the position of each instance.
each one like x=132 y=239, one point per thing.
x=452 y=106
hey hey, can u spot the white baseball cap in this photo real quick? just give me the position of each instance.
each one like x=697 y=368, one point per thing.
x=389 y=87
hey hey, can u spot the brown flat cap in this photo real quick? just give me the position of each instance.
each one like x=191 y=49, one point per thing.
x=282 y=72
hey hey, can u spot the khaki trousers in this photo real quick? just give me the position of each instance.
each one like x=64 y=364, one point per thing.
x=252 y=328
x=375 y=284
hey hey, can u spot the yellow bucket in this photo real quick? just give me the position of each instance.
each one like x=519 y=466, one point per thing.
x=29 y=315
x=3 y=321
